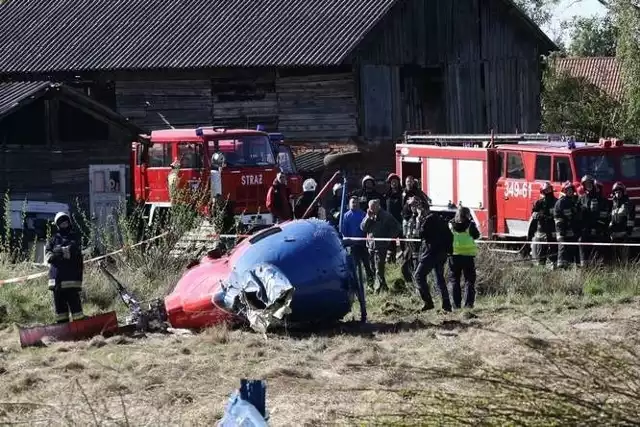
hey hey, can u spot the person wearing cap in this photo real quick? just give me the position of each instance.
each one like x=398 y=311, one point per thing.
x=622 y=223
x=566 y=216
x=308 y=195
x=542 y=230
x=63 y=253
x=278 y=198
x=393 y=200
x=594 y=212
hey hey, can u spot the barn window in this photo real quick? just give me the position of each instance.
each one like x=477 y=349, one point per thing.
x=159 y=156
x=515 y=166
x=543 y=167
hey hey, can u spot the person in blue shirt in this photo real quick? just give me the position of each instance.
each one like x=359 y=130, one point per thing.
x=351 y=221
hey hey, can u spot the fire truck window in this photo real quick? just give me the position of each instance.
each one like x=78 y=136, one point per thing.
x=515 y=166
x=543 y=168
x=562 y=170
x=285 y=159
x=159 y=156
x=599 y=166
x=500 y=165
x=630 y=166
x=190 y=156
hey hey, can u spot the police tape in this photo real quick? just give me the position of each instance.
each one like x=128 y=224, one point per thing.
x=485 y=242
x=99 y=258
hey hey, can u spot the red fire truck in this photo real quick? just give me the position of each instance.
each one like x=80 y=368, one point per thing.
x=499 y=176
x=237 y=165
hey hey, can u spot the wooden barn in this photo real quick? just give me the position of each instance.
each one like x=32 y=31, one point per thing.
x=59 y=145
x=329 y=71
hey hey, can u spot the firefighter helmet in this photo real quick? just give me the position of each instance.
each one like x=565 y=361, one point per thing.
x=61 y=216
x=393 y=176
x=618 y=186
x=337 y=187
x=368 y=178
x=546 y=188
x=568 y=185
x=587 y=178
x=309 y=185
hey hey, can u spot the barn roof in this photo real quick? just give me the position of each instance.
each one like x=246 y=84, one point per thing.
x=601 y=71
x=15 y=95
x=101 y=35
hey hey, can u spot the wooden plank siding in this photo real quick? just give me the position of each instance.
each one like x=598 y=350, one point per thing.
x=489 y=66
x=318 y=106
x=184 y=103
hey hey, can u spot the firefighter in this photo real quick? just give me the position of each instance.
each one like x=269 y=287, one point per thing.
x=63 y=253
x=393 y=199
x=462 y=259
x=379 y=223
x=623 y=216
x=278 y=198
x=410 y=230
x=593 y=219
x=542 y=226
x=333 y=205
x=437 y=243
x=172 y=180
x=368 y=192
x=308 y=195
x=358 y=248
x=411 y=190
x=566 y=218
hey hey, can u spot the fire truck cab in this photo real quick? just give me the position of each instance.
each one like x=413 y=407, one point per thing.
x=499 y=176
x=235 y=165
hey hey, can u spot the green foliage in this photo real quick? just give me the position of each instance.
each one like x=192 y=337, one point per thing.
x=627 y=19
x=540 y=11
x=593 y=36
x=575 y=106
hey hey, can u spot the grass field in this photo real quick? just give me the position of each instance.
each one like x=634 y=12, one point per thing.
x=541 y=348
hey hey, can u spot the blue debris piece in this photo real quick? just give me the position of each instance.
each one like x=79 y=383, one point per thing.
x=247 y=406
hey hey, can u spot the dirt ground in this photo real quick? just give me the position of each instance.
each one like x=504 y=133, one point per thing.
x=331 y=377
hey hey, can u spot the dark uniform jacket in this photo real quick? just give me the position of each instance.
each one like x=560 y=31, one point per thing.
x=436 y=237
x=566 y=215
x=594 y=213
x=303 y=203
x=394 y=204
x=623 y=215
x=65 y=272
x=542 y=216
x=383 y=225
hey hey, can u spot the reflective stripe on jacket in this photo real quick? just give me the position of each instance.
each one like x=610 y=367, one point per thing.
x=463 y=243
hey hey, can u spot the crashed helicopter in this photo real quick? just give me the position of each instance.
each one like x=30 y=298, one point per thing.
x=295 y=273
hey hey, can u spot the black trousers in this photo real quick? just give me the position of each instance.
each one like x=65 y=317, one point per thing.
x=460 y=265
x=378 y=259
x=360 y=255
x=425 y=265
x=567 y=254
x=67 y=301
x=591 y=254
x=540 y=251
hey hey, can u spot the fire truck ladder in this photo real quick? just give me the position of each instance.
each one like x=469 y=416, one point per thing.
x=477 y=140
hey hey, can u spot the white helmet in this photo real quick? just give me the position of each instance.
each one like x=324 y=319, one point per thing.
x=59 y=216
x=337 y=187
x=309 y=185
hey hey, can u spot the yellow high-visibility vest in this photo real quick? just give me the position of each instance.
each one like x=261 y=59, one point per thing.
x=463 y=243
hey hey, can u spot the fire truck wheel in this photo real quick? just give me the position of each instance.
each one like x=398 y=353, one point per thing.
x=342 y=159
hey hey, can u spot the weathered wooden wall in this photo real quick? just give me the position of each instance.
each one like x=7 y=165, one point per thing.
x=318 y=106
x=54 y=170
x=307 y=107
x=181 y=102
x=487 y=57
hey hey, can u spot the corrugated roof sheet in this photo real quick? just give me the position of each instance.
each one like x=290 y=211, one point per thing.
x=311 y=161
x=602 y=72
x=11 y=94
x=77 y=35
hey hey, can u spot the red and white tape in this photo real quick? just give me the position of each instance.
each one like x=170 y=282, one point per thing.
x=101 y=257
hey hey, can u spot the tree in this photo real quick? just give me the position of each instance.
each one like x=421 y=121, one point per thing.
x=627 y=19
x=540 y=11
x=574 y=106
x=593 y=36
